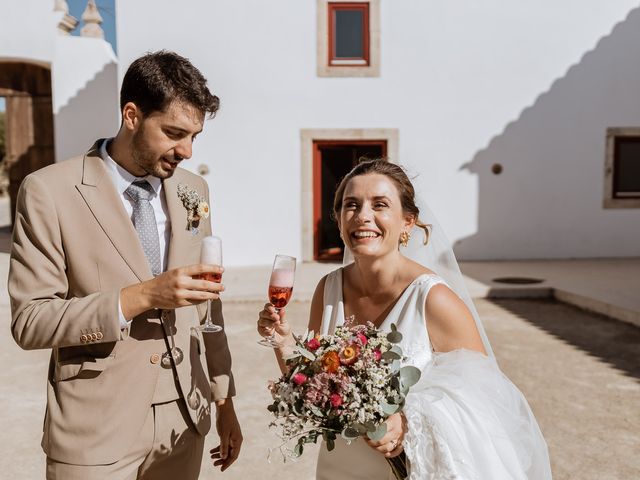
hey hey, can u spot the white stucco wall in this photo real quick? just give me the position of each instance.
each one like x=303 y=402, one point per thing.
x=83 y=73
x=86 y=100
x=453 y=76
x=26 y=31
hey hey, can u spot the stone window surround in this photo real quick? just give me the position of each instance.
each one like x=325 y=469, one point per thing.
x=322 y=48
x=609 y=201
x=307 y=137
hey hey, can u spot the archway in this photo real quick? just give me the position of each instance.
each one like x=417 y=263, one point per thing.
x=29 y=121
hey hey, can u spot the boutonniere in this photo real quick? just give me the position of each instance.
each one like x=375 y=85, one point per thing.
x=196 y=206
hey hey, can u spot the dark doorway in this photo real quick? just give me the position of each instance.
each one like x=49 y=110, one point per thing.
x=28 y=121
x=332 y=160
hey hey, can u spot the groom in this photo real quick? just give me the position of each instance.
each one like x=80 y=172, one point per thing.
x=103 y=272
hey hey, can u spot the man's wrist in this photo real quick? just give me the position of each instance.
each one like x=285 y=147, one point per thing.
x=134 y=300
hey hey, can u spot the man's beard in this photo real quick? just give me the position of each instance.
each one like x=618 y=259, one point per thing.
x=144 y=158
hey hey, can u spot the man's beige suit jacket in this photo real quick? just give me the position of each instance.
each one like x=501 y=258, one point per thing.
x=74 y=248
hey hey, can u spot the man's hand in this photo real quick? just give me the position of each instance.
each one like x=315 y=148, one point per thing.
x=230 y=435
x=172 y=289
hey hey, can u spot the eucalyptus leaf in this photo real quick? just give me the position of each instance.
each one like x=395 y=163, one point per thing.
x=291 y=357
x=370 y=426
x=350 y=433
x=397 y=349
x=409 y=375
x=390 y=356
x=305 y=353
x=315 y=410
x=378 y=433
x=394 y=328
x=395 y=366
x=360 y=428
x=310 y=335
x=394 y=337
x=331 y=444
x=298 y=449
x=389 y=408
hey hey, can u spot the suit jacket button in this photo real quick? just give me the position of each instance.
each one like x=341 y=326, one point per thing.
x=94 y=337
x=155 y=358
x=83 y=338
x=99 y=335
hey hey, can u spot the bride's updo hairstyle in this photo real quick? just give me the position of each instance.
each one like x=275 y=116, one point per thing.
x=397 y=175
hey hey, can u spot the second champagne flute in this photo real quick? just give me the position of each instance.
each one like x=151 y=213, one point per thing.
x=280 y=289
x=210 y=254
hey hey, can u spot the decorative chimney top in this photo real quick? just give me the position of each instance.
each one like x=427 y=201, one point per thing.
x=67 y=22
x=92 y=20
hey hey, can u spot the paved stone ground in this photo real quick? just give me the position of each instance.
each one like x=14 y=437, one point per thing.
x=579 y=372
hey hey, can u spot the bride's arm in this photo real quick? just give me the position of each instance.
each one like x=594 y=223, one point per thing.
x=450 y=323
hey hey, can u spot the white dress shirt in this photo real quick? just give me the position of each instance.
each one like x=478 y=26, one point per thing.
x=121 y=180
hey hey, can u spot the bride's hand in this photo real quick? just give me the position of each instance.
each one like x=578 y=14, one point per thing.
x=270 y=321
x=391 y=444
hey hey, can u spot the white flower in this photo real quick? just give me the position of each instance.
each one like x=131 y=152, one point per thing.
x=196 y=206
x=203 y=210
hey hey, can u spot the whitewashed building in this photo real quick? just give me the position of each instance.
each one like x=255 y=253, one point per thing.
x=519 y=120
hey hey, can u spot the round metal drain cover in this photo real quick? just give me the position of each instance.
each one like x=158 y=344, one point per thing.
x=517 y=280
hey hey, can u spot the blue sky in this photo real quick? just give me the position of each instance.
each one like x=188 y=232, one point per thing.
x=107 y=11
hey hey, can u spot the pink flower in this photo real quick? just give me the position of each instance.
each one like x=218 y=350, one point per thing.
x=336 y=400
x=377 y=354
x=299 y=378
x=313 y=344
x=362 y=339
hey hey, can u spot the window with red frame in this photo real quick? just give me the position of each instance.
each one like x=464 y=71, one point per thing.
x=348 y=33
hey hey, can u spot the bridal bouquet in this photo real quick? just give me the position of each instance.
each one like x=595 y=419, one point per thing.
x=344 y=384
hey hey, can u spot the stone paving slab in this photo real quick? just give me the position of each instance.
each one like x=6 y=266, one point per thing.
x=578 y=370
x=610 y=286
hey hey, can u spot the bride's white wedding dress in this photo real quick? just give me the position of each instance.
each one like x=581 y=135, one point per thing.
x=466 y=420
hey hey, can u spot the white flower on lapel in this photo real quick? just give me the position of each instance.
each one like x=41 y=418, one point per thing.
x=196 y=206
x=203 y=210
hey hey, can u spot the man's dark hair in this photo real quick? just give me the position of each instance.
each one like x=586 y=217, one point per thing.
x=156 y=79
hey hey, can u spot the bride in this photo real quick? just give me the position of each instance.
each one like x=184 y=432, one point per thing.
x=464 y=419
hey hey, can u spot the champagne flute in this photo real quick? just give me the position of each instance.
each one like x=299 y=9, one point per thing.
x=280 y=289
x=210 y=254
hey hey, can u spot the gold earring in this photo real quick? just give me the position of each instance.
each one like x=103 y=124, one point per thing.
x=404 y=238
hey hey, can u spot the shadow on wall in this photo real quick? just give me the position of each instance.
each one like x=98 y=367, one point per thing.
x=613 y=342
x=547 y=200
x=91 y=114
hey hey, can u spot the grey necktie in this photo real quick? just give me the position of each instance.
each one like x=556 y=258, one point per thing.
x=144 y=220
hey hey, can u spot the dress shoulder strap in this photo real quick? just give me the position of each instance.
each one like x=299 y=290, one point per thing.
x=333 y=308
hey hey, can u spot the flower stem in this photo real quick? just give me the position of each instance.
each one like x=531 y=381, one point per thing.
x=398 y=466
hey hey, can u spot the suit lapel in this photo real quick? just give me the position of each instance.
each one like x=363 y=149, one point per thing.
x=106 y=205
x=181 y=239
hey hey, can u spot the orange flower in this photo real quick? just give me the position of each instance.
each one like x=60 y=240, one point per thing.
x=331 y=362
x=349 y=355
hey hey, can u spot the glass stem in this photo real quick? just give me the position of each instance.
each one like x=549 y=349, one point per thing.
x=208 y=321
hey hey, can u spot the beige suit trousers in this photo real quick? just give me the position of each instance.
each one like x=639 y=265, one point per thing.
x=169 y=447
